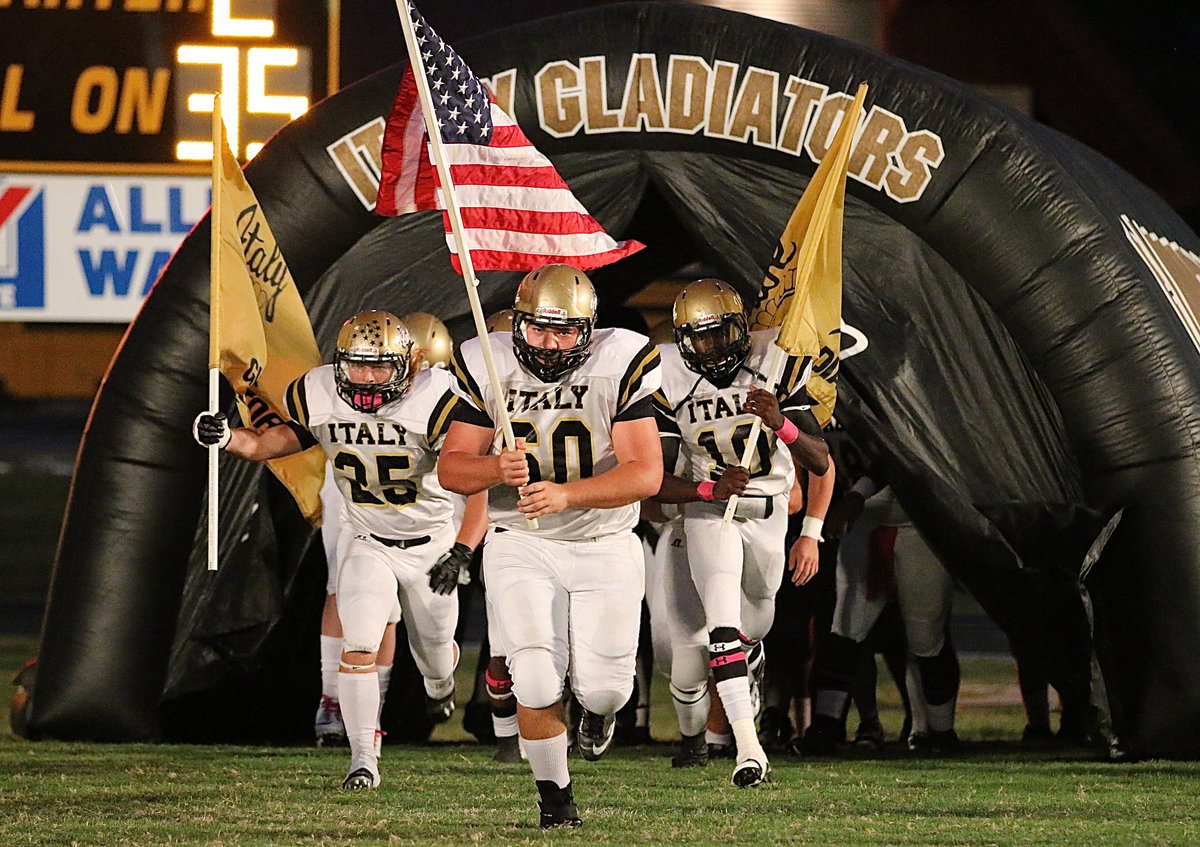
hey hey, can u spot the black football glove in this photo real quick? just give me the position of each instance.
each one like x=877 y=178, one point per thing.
x=451 y=570
x=209 y=429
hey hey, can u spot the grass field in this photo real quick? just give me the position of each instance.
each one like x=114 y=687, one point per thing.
x=450 y=792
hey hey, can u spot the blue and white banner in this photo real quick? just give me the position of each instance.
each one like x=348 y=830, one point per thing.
x=82 y=248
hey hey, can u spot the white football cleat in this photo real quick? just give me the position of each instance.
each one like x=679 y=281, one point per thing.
x=330 y=730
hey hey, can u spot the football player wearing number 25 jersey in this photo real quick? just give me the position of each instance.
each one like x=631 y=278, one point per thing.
x=568 y=593
x=381 y=422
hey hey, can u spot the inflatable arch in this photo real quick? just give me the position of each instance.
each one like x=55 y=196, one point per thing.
x=1031 y=377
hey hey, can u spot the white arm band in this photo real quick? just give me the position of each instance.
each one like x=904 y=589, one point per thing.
x=811 y=527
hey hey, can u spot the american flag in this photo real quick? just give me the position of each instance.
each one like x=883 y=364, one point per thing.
x=517 y=211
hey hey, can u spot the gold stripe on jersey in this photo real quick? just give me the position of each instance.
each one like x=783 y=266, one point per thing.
x=664 y=414
x=296 y=399
x=466 y=381
x=439 y=419
x=644 y=362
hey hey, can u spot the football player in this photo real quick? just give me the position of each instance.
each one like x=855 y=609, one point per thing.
x=709 y=398
x=381 y=421
x=568 y=593
x=431 y=339
x=433 y=346
x=880 y=545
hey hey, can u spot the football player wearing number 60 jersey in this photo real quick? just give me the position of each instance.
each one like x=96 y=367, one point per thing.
x=381 y=422
x=568 y=593
x=712 y=391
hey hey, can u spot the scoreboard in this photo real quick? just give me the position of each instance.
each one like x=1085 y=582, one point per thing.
x=131 y=81
x=105 y=121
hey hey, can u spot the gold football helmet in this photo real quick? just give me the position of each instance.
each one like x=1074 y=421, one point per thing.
x=554 y=296
x=710 y=329
x=376 y=339
x=662 y=333
x=430 y=338
x=502 y=321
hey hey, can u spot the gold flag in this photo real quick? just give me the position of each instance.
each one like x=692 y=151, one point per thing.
x=802 y=291
x=264 y=337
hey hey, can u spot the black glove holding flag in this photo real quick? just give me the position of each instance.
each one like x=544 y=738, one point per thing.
x=451 y=570
x=209 y=429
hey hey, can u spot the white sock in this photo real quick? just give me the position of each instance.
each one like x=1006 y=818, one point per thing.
x=385 y=678
x=941 y=716
x=360 y=709
x=548 y=759
x=691 y=709
x=439 y=688
x=504 y=727
x=746 y=738
x=830 y=703
x=331 y=655
x=735 y=696
x=721 y=739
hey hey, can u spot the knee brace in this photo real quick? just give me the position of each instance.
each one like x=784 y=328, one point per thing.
x=605 y=701
x=688 y=696
x=349 y=668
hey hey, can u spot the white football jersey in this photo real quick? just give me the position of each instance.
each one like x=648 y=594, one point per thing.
x=567 y=425
x=713 y=432
x=385 y=462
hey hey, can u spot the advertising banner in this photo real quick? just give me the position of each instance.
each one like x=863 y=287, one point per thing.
x=89 y=248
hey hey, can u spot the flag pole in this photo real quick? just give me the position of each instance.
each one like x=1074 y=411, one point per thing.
x=456 y=225
x=214 y=345
x=773 y=375
x=808 y=258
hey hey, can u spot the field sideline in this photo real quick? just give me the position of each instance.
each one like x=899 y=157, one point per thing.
x=450 y=792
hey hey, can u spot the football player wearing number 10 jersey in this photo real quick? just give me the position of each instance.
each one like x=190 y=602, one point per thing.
x=712 y=390
x=568 y=593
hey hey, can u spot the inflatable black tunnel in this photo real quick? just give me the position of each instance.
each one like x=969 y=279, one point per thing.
x=1029 y=374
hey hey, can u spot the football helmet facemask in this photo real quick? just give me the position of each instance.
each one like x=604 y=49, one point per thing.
x=554 y=296
x=430 y=338
x=710 y=330
x=376 y=339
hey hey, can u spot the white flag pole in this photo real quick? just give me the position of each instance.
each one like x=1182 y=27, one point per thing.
x=456 y=225
x=214 y=345
x=774 y=373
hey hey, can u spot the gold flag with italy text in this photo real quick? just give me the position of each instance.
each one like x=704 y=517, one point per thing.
x=802 y=290
x=264 y=337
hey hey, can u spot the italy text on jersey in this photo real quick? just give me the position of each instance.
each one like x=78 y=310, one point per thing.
x=713 y=432
x=385 y=461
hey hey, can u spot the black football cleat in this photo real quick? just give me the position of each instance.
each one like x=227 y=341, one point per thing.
x=934 y=743
x=693 y=752
x=869 y=736
x=439 y=709
x=360 y=779
x=557 y=807
x=508 y=750
x=821 y=738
